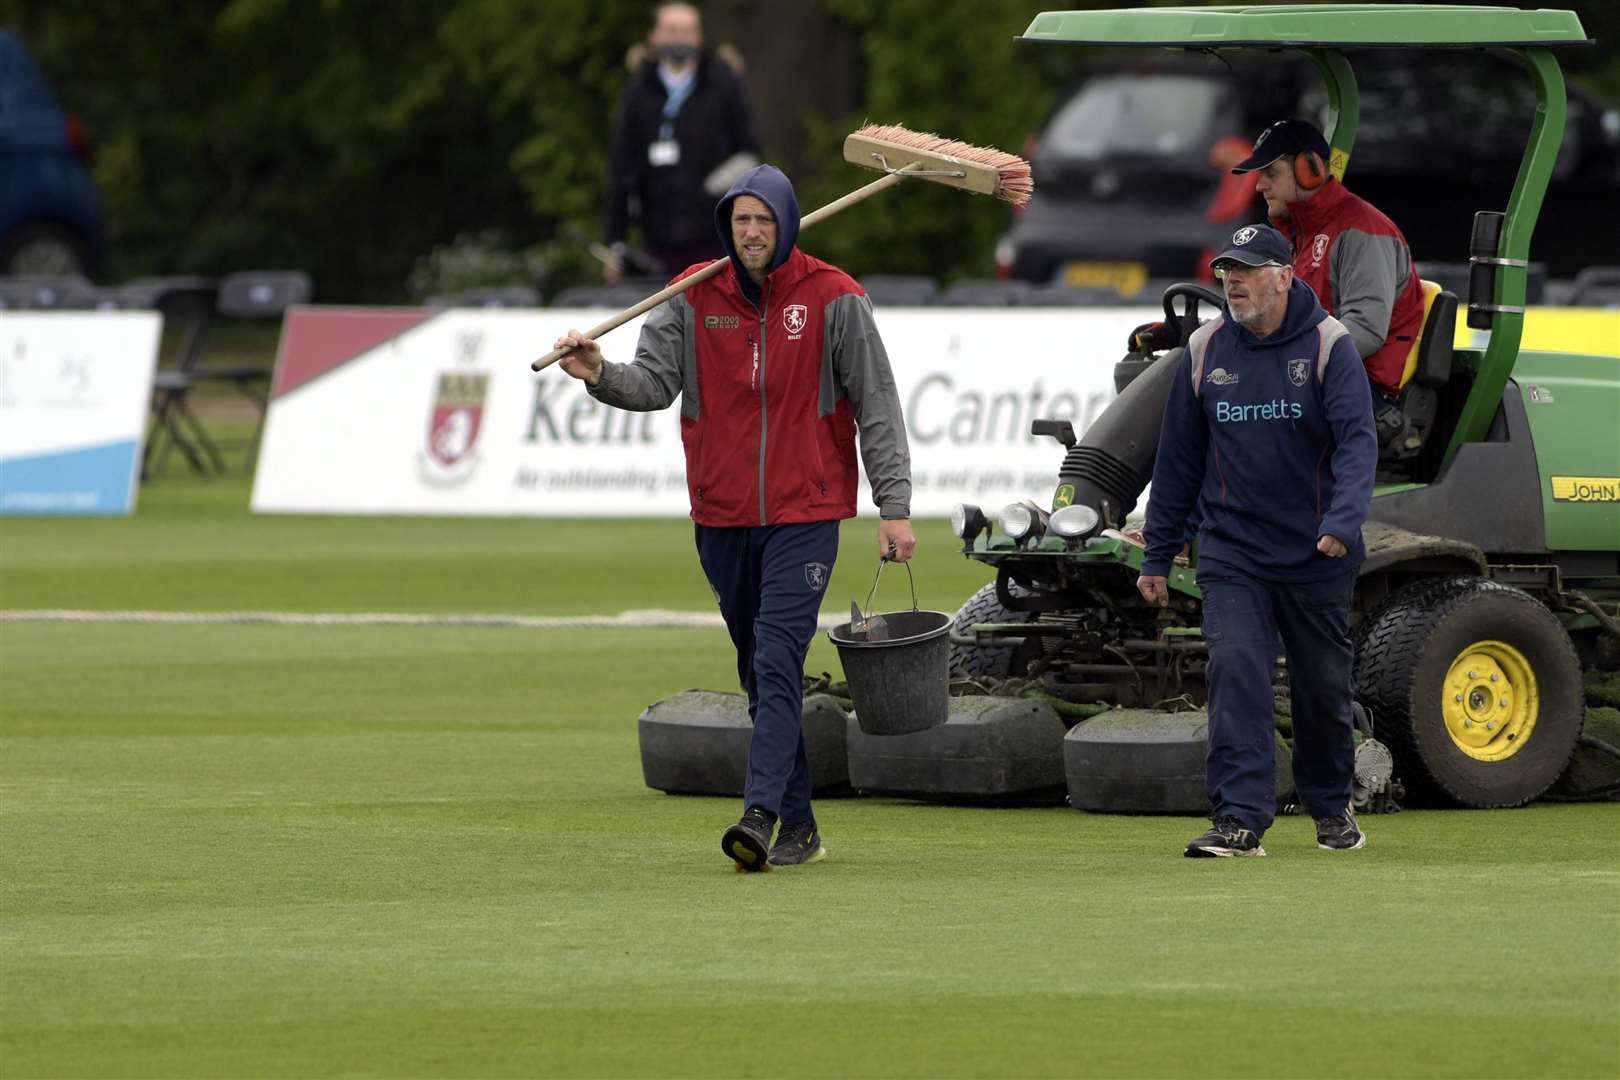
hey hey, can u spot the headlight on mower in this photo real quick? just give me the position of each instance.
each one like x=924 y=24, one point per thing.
x=1023 y=520
x=967 y=522
x=1075 y=521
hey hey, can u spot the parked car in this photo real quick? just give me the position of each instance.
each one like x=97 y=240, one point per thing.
x=50 y=210
x=1132 y=181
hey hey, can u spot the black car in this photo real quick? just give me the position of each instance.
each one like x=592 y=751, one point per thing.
x=50 y=210
x=1132 y=180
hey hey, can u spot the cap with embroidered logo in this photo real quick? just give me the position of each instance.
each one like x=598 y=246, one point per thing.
x=1256 y=245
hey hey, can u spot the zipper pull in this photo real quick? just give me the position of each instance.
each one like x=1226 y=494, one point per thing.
x=753 y=379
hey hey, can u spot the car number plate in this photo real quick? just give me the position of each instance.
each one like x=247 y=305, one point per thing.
x=1125 y=278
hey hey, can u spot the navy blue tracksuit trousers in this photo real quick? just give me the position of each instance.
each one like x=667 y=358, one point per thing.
x=1243 y=617
x=770 y=580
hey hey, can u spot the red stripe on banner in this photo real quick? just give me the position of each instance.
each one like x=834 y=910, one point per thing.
x=316 y=340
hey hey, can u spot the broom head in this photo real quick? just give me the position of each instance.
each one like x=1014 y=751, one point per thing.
x=980 y=169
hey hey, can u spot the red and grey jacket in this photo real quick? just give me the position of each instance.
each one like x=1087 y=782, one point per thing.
x=1361 y=269
x=773 y=390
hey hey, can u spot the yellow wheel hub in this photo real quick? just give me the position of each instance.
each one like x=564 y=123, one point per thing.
x=1491 y=700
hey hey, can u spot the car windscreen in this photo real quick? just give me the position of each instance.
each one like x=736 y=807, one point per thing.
x=1140 y=115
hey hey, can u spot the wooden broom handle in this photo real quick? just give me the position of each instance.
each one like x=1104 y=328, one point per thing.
x=882 y=183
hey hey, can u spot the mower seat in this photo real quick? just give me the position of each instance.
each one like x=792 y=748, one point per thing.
x=1428 y=367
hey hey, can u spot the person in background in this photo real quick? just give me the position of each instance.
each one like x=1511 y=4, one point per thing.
x=1355 y=259
x=778 y=365
x=684 y=133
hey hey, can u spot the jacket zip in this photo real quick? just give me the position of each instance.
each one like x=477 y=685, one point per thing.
x=759 y=370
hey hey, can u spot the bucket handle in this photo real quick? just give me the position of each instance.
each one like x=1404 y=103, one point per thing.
x=883 y=561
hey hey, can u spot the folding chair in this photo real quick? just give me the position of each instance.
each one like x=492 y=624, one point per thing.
x=255 y=296
x=191 y=303
x=186 y=303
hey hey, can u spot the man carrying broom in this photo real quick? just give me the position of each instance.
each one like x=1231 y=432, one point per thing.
x=778 y=364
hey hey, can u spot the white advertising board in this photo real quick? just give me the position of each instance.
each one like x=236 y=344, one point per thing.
x=395 y=411
x=74 y=391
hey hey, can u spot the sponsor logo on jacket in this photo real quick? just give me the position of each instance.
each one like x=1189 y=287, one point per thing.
x=1278 y=409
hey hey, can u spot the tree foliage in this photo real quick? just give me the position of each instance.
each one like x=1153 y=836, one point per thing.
x=352 y=138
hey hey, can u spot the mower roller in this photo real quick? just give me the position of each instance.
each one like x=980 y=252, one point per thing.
x=696 y=743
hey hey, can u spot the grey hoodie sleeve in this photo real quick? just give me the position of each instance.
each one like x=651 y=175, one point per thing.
x=1367 y=273
x=651 y=381
x=860 y=366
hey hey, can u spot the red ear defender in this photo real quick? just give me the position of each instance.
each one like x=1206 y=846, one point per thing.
x=1309 y=172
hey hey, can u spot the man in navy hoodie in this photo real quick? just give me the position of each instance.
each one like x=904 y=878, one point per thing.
x=1268 y=434
x=778 y=365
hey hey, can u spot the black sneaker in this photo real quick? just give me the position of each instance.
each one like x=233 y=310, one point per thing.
x=798 y=844
x=1340 y=832
x=1226 y=837
x=749 y=841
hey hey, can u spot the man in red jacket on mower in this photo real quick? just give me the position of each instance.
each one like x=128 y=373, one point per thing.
x=778 y=364
x=1352 y=256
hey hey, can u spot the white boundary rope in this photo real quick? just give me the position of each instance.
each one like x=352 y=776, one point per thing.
x=641 y=619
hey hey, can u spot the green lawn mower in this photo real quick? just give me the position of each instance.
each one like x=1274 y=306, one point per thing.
x=1493 y=568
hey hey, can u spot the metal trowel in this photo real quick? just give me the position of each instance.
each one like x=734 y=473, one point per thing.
x=871 y=627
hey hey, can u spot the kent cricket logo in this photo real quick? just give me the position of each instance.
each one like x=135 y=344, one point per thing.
x=455 y=420
x=1604 y=489
x=794 y=316
x=1299 y=371
x=1244 y=235
x=815 y=575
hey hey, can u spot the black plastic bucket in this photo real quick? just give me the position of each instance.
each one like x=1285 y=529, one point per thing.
x=898 y=682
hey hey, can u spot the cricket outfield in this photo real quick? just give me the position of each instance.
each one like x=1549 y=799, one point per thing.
x=427 y=850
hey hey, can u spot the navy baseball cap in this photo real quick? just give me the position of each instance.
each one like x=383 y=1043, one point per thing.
x=1256 y=245
x=1284 y=137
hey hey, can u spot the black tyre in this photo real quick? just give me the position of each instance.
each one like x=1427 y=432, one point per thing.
x=42 y=249
x=1475 y=687
x=971 y=661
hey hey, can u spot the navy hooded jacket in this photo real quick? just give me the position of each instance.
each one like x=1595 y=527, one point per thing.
x=1272 y=440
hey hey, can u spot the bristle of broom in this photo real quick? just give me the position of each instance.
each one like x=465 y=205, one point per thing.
x=1015 y=183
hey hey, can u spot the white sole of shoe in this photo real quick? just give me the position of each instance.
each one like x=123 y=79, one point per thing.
x=1224 y=853
x=1361 y=842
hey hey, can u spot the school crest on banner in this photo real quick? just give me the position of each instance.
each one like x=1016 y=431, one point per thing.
x=455 y=421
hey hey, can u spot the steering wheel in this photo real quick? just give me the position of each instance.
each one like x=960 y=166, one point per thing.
x=1187 y=320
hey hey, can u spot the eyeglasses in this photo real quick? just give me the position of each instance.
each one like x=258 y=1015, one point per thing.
x=1221 y=268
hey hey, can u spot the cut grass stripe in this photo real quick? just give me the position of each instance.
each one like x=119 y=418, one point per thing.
x=637 y=619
